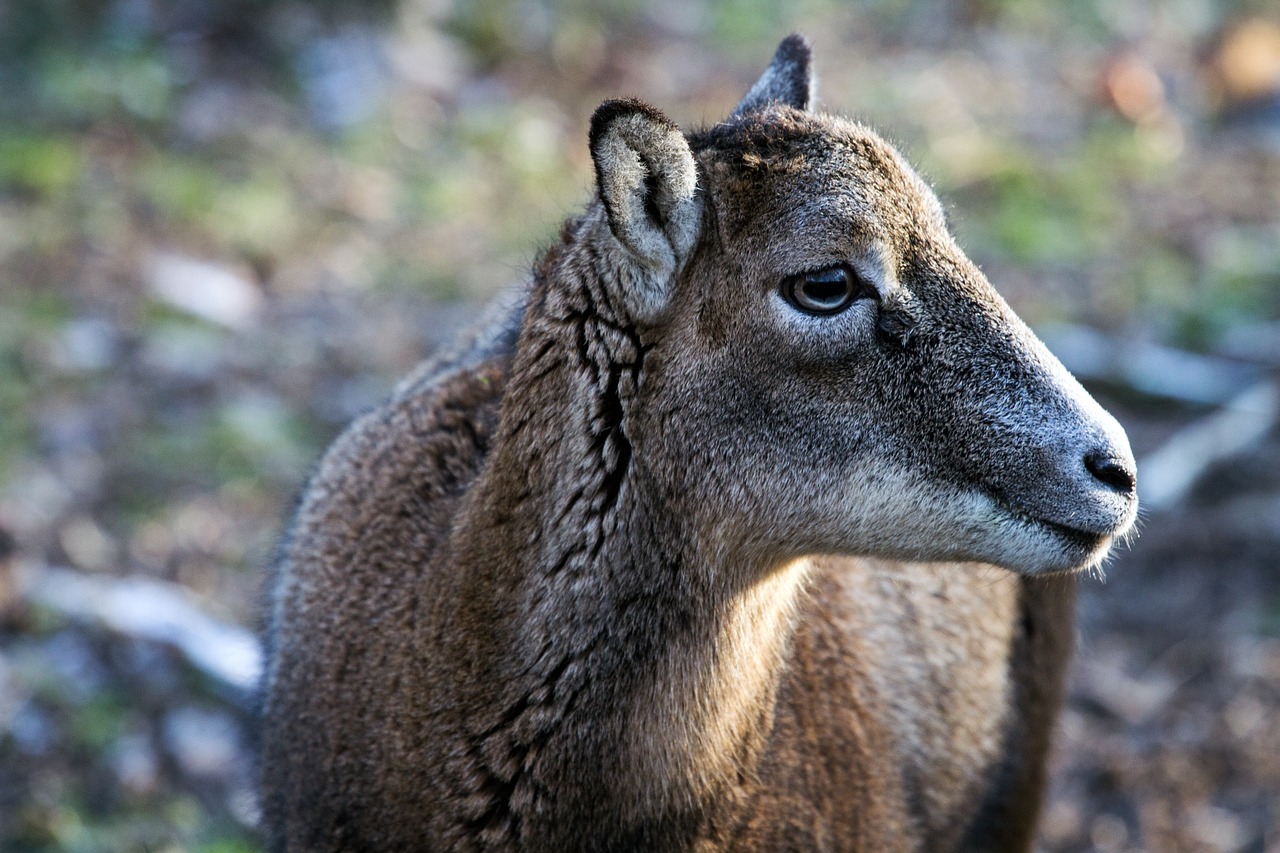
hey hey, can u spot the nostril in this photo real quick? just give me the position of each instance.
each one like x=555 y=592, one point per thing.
x=1113 y=471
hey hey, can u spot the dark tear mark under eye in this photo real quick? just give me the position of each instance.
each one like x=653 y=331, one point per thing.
x=896 y=321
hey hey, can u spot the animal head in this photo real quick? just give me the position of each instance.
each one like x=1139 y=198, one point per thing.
x=825 y=370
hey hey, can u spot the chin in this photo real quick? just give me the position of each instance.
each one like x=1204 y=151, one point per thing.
x=1036 y=548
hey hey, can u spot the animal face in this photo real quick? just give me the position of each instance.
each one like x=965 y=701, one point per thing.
x=828 y=373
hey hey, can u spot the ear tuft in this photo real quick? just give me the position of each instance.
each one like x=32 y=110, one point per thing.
x=788 y=79
x=648 y=181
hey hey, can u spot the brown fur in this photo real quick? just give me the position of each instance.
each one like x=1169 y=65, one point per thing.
x=561 y=591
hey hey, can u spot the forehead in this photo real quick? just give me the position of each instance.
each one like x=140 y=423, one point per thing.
x=812 y=178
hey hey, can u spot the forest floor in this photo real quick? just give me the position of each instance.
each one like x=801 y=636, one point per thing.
x=218 y=244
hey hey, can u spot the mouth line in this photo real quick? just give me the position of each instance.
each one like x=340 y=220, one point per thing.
x=1087 y=540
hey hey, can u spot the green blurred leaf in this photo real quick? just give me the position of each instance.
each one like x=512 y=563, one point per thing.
x=45 y=164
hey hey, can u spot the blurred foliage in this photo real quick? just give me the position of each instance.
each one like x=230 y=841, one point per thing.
x=95 y=28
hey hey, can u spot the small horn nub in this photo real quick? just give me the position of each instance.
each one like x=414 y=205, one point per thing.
x=788 y=79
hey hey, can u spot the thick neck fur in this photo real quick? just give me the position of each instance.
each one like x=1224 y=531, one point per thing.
x=627 y=677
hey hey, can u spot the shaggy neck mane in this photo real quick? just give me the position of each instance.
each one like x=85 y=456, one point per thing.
x=621 y=680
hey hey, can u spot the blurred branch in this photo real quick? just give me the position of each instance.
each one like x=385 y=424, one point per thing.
x=1169 y=472
x=147 y=609
x=1148 y=368
x=1257 y=342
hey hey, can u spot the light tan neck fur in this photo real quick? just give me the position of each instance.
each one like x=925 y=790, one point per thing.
x=700 y=721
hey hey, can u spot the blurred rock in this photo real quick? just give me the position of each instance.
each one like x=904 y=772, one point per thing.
x=87 y=545
x=137 y=769
x=204 y=743
x=1245 y=714
x=345 y=77
x=42 y=499
x=67 y=426
x=216 y=110
x=244 y=806
x=69 y=664
x=207 y=290
x=86 y=345
x=187 y=353
x=1133 y=699
x=1218 y=829
x=1109 y=833
x=31 y=730
x=152 y=666
x=426 y=57
x=370 y=194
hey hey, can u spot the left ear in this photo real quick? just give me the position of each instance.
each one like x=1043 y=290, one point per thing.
x=788 y=79
x=648 y=182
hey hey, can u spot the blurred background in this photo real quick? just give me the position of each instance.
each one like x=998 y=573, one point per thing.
x=228 y=227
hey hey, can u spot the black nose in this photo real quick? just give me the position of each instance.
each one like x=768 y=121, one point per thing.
x=1113 y=471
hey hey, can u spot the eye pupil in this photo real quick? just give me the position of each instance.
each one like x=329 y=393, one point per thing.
x=823 y=292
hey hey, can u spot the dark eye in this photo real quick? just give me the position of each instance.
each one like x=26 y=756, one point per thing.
x=824 y=292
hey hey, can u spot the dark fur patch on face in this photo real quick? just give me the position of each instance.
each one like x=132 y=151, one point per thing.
x=762 y=135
